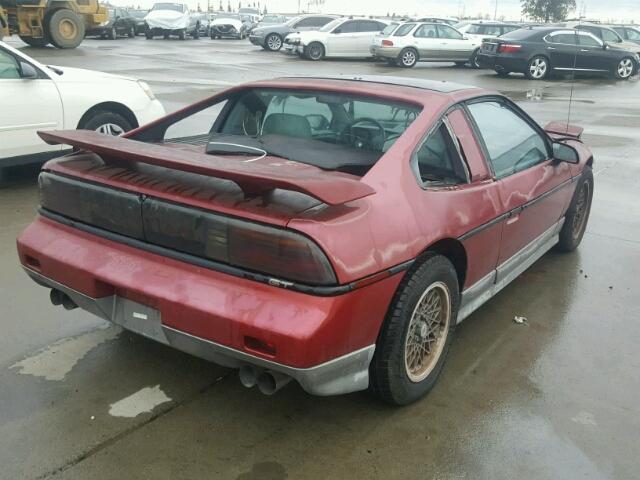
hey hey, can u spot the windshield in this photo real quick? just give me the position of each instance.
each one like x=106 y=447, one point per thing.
x=176 y=7
x=331 y=25
x=139 y=13
x=228 y=16
x=271 y=18
x=332 y=131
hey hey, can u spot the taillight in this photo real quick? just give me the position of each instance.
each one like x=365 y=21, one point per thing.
x=387 y=43
x=509 y=48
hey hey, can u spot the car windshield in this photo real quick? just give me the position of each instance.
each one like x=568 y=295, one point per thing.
x=271 y=18
x=228 y=16
x=331 y=25
x=176 y=7
x=332 y=131
x=139 y=13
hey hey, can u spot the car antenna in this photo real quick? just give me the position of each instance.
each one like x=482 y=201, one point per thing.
x=573 y=76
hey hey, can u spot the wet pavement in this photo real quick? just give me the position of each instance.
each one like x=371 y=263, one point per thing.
x=555 y=398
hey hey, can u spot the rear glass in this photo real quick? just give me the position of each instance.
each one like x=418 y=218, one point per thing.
x=404 y=29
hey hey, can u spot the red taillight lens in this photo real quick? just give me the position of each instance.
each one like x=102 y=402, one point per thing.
x=509 y=48
x=387 y=43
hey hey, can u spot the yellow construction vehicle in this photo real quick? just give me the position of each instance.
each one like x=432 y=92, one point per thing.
x=59 y=22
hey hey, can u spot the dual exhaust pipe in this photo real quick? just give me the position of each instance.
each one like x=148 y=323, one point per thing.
x=267 y=381
x=60 y=298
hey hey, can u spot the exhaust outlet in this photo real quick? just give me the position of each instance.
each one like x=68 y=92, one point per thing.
x=59 y=298
x=269 y=382
x=248 y=375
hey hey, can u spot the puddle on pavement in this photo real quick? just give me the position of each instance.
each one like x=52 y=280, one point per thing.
x=55 y=361
x=143 y=401
x=540 y=94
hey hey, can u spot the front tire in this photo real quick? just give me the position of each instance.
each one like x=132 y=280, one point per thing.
x=315 y=51
x=624 y=69
x=273 y=42
x=132 y=32
x=415 y=338
x=109 y=123
x=407 y=58
x=113 y=34
x=473 y=61
x=537 y=68
x=577 y=216
x=66 y=29
x=182 y=35
x=35 y=42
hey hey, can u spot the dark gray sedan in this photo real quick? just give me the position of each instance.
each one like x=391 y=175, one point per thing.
x=270 y=37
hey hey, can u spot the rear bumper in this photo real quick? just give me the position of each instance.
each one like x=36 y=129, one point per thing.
x=502 y=63
x=325 y=343
x=385 y=52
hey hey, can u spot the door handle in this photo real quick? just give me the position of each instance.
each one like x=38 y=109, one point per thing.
x=584 y=50
x=551 y=48
x=513 y=218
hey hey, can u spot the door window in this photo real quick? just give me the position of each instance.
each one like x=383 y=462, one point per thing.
x=369 y=26
x=445 y=31
x=587 y=40
x=8 y=66
x=347 y=27
x=438 y=159
x=563 y=38
x=512 y=143
x=426 y=31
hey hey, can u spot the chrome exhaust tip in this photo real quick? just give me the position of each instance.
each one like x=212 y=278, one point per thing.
x=248 y=375
x=269 y=382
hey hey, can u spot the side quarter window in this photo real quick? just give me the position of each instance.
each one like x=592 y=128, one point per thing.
x=8 y=66
x=512 y=143
x=438 y=161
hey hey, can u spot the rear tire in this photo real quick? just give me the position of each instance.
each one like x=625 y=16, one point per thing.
x=132 y=32
x=473 y=61
x=66 y=29
x=577 y=216
x=196 y=33
x=416 y=334
x=314 y=51
x=106 y=122
x=182 y=35
x=113 y=34
x=35 y=42
x=538 y=68
x=407 y=58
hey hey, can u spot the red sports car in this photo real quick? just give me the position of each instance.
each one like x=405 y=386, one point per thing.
x=328 y=230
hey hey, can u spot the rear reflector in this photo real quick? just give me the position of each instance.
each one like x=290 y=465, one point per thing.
x=509 y=48
x=387 y=43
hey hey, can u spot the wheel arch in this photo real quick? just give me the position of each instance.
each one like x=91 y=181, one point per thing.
x=114 y=107
x=453 y=250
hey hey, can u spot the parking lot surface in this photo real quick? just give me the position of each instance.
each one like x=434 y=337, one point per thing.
x=555 y=397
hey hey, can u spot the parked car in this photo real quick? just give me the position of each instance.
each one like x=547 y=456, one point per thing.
x=481 y=30
x=271 y=37
x=410 y=43
x=342 y=37
x=230 y=25
x=37 y=97
x=357 y=236
x=629 y=33
x=273 y=20
x=609 y=36
x=138 y=16
x=539 y=51
x=166 y=19
x=120 y=22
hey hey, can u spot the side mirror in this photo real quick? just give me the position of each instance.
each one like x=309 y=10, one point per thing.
x=27 y=71
x=605 y=45
x=564 y=153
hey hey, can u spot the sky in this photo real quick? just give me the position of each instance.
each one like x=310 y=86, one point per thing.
x=615 y=10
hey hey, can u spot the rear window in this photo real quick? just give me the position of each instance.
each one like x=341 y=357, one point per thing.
x=522 y=34
x=404 y=29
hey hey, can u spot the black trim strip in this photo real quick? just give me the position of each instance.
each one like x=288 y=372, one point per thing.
x=518 y=209
x=212 y=265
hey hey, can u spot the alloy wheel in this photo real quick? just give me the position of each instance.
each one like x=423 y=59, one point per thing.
x=625 y=68
x=315 y=52
x=427 y=332
x=274 y=42
x=408 y=58
x=110 y=129
x=538 y=68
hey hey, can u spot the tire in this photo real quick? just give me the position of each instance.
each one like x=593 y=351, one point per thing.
x=314 y=51
x=473 y=61
x=407 y=58
x=148 y=34
x=577 y=216
x=35 y=42
x=107 y=122
x=537 y=68
x=182 y=35
x=624 y=69
x=66 y=29
x=132 y=32
x=273 y=42
x=112 y=34
x=394 y=375
x=196 y=33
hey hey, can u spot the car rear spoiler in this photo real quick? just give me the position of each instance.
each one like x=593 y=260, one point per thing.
x=564 y=130
x=253 y=178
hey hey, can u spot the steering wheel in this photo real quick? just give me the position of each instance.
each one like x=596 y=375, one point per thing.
x=359 y=142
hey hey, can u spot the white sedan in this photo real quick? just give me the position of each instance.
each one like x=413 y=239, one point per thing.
x=36 y=97
x=343 y=37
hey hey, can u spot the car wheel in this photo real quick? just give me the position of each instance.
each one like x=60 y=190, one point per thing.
x=148 y=34
x=66 y=29
x=182 y=34
x=112 y=34
x=315 y=51
x=35 y=42
x=196 y=33
x=625 y=68
x=537 y=68
x=132 y=32
x=415 y=338
x=577 y=216
x=274 y=42
x=407 y=58
x=109 y=123
x=474 y=61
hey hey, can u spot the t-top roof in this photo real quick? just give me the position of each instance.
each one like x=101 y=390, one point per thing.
x=433 y=85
